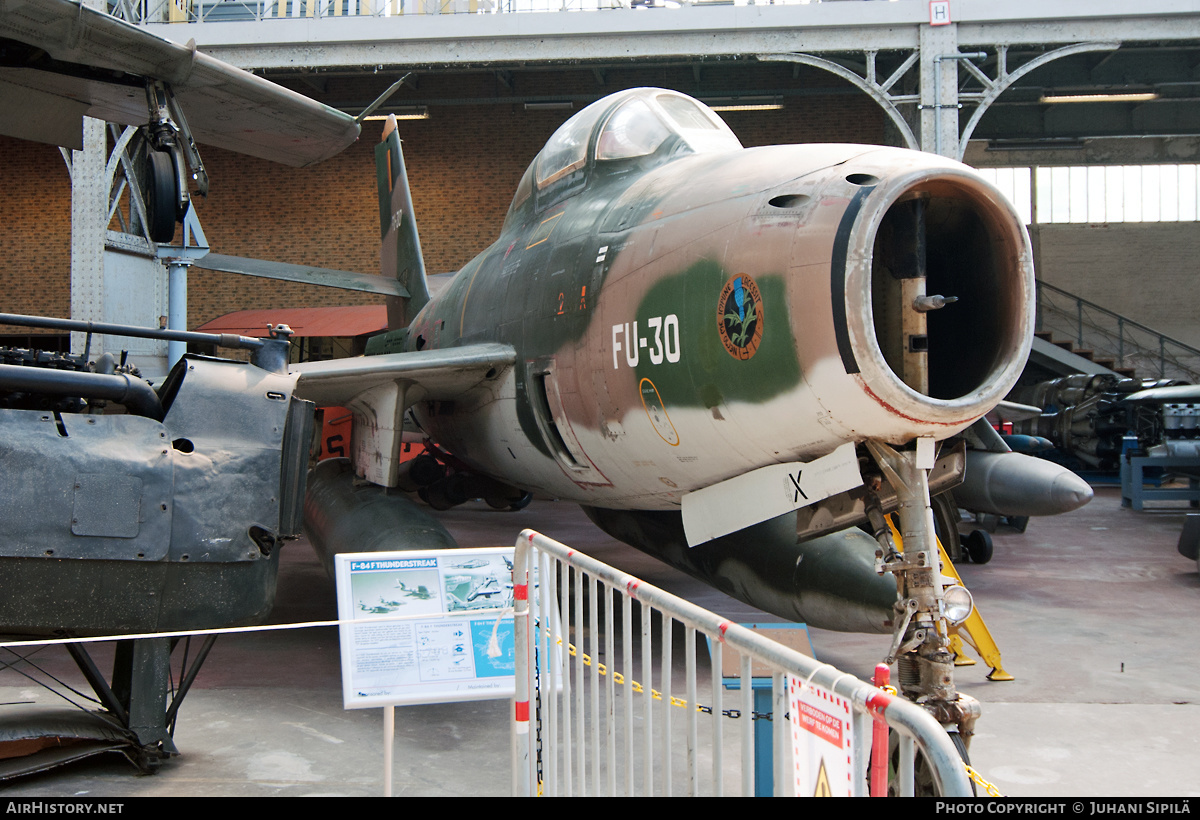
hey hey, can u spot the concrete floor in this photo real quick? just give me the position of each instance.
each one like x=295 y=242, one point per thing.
x=1091 y=611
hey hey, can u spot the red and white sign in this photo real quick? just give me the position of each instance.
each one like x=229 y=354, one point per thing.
x=939 y=12
x=822 y=741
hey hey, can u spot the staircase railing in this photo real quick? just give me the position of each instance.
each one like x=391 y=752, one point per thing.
x=1113 y=336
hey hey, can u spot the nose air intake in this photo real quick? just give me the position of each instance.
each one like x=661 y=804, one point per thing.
x=943 y=264
x=943 y=245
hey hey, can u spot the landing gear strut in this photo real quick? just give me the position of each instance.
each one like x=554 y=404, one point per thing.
x=921 y=641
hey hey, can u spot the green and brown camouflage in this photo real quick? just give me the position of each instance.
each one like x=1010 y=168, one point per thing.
x=662 y=287
x=666 y=313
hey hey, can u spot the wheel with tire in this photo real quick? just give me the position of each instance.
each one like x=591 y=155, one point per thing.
x=924 y=783
x=1018 y=522
x=945 y=524
x=510 y=504
x=160 y=188
x=979 y=547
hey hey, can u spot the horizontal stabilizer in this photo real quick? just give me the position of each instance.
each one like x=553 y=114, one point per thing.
x=326 y=277
x=1014 y=411
x=767 y=493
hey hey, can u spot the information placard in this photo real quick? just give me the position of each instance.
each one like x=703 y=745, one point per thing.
x=430 y=626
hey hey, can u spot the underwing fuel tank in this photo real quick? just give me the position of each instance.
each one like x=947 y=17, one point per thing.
x=1017 y=484
x=342 y=515
x=828 y=582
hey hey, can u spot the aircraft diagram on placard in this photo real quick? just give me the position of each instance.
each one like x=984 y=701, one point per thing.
x=731 y=358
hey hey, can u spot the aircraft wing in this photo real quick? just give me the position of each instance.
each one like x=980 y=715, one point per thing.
x=60 y=61
x=378 y=389
x=442 y=374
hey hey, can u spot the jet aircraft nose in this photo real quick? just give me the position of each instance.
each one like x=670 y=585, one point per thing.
x=932 y=288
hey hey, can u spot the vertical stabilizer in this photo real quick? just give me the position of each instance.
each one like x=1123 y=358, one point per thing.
x=400 y=252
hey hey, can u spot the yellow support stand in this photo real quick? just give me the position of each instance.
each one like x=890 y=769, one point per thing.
x=973 y=631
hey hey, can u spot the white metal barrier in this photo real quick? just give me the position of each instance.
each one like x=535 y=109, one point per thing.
x=586 y=727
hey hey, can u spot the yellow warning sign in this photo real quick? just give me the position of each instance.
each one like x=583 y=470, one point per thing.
x=822 y=789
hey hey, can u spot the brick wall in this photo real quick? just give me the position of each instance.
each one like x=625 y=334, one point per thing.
x=35 y=229
x=1146 y=271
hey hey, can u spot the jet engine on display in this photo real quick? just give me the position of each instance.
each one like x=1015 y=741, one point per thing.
x=1094 y=418
x=729 y=357
x=167 y=516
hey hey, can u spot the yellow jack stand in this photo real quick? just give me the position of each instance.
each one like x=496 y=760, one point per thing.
x=973 y=631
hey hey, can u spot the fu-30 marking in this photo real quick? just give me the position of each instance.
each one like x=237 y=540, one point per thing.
x=662 y=346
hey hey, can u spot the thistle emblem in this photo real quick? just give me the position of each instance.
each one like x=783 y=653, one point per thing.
x=740 y=316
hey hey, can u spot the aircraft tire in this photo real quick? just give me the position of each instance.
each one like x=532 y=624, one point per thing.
x=1018 y=522
x=160 y=196
x=945 y=524
x=961 y=747
x=509 y=505
x=979 y=547
x=923 y=783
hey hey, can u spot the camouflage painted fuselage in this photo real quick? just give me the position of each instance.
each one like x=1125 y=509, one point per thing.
x=682 y=318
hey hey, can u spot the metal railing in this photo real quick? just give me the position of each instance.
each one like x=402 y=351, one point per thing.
x=1113 y=336
x=586 y=727
x=199 y=11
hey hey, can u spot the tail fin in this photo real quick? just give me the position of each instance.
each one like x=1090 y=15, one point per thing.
x=400 y=252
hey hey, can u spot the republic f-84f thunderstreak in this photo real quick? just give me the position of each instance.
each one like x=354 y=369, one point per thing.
x=728 y=356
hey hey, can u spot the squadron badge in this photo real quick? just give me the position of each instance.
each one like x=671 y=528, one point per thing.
x=740 y=316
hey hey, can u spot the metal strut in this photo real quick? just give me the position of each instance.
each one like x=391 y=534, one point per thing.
x=921 y=644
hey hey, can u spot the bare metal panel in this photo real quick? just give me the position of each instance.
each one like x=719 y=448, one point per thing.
x=108 y=505
x=119 y=523
x=68 y=477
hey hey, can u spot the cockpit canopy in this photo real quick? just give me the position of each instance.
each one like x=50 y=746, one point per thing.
x=635 y=123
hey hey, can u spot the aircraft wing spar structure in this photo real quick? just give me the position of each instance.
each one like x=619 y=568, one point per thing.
x=62 y=61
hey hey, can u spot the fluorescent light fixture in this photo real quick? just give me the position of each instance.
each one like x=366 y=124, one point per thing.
x=744 y=103
x=1048 y=144
x=550 y=105
x=1093 y=98
x=748 y=107
x=404 y=112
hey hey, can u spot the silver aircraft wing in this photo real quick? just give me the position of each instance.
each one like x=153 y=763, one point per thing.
x=378 y=389
x=442 y=374
x=60 y=61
